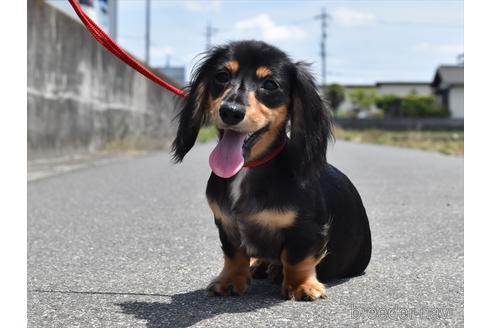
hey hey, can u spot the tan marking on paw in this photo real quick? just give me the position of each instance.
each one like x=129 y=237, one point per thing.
x=300 y=282
x=234 y=279
x=307 y=291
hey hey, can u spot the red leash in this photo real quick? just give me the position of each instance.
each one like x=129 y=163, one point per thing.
x=109 y=44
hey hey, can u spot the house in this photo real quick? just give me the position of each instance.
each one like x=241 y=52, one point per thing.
x=395 y=88
x=448 y=85
x=403 y=89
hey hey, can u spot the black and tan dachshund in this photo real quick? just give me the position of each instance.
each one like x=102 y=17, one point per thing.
x=280 y=208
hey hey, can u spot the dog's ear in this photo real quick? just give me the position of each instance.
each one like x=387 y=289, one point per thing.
x=194 y=109
x=191 y=118
x=311 y=126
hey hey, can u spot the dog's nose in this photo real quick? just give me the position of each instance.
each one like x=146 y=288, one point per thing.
x=232 y=114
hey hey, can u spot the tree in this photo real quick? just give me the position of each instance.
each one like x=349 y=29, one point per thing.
x=410 y=106
x=362 y=100
x=335 y=95
x=390 y=104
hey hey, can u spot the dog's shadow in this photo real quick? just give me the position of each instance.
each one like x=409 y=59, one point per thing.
x=187 y=309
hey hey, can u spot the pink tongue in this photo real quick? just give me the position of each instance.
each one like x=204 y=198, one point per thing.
x=227 y=157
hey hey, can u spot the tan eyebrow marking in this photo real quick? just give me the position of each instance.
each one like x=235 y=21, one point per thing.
x=263 y=71
x=232 y=66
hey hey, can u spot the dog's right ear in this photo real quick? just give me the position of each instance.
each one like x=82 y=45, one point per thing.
x=191 y=117
x=194 y=109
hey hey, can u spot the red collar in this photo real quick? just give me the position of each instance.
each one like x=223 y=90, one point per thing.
x=268 y=157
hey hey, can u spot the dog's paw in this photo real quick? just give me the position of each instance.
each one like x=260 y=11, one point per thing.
x=229 y=285
x=275 y=273
x=308 y=291
x=258 y=269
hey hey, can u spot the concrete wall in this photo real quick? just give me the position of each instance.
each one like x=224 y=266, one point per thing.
x=80 y=97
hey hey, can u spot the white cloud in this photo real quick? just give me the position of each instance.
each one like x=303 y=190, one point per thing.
x=350 y=17
x=269 y=30
x=451 y=49
x=200 y=5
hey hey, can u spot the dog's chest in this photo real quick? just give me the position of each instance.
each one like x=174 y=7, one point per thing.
x=235 y=186
x=258 y=241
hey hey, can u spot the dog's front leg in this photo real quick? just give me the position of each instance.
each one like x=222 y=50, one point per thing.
x=235 y=276
x=300 y=282
x=234 y=279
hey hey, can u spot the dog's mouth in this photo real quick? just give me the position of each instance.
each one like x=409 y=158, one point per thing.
x=228 y=156
x=252 y=138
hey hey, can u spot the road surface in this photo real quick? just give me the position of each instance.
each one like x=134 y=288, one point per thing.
x=133 y=244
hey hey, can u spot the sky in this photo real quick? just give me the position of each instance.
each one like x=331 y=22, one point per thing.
x=368 y=41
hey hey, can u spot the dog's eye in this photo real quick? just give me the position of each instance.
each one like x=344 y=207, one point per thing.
x=222 y=77
x=270 y=85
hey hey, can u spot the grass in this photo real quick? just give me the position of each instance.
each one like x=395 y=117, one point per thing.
x=445 y=142
x=135 y=144
x=207 y=133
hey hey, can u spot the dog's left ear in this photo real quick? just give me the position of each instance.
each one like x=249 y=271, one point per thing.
x=311 y=126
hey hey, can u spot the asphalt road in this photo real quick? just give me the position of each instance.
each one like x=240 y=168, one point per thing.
x=133 y=244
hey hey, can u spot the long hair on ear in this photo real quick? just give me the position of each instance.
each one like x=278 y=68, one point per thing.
x=193 y=113
x=311 y=124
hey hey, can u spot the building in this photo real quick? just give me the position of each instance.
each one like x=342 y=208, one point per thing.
x=103 y=12
x=448 y=85
x=403 y=89
x=174 y=73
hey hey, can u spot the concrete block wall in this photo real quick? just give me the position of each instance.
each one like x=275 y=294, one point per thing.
x=79 y=96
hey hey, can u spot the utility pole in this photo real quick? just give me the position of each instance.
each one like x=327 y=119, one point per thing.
x=209 y=32
x=324 y=33
x=113 y=18
x=147 y=32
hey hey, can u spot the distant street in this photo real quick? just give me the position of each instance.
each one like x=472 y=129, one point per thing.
x=132 y=244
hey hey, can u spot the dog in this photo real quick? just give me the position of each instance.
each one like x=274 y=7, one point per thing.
x=280 y=209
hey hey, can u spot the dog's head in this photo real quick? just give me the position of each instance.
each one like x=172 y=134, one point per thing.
x=250 y=90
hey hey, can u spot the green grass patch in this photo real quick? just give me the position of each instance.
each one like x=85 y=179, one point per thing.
x=207 y=133
x=136 y=144
x=446 y=142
